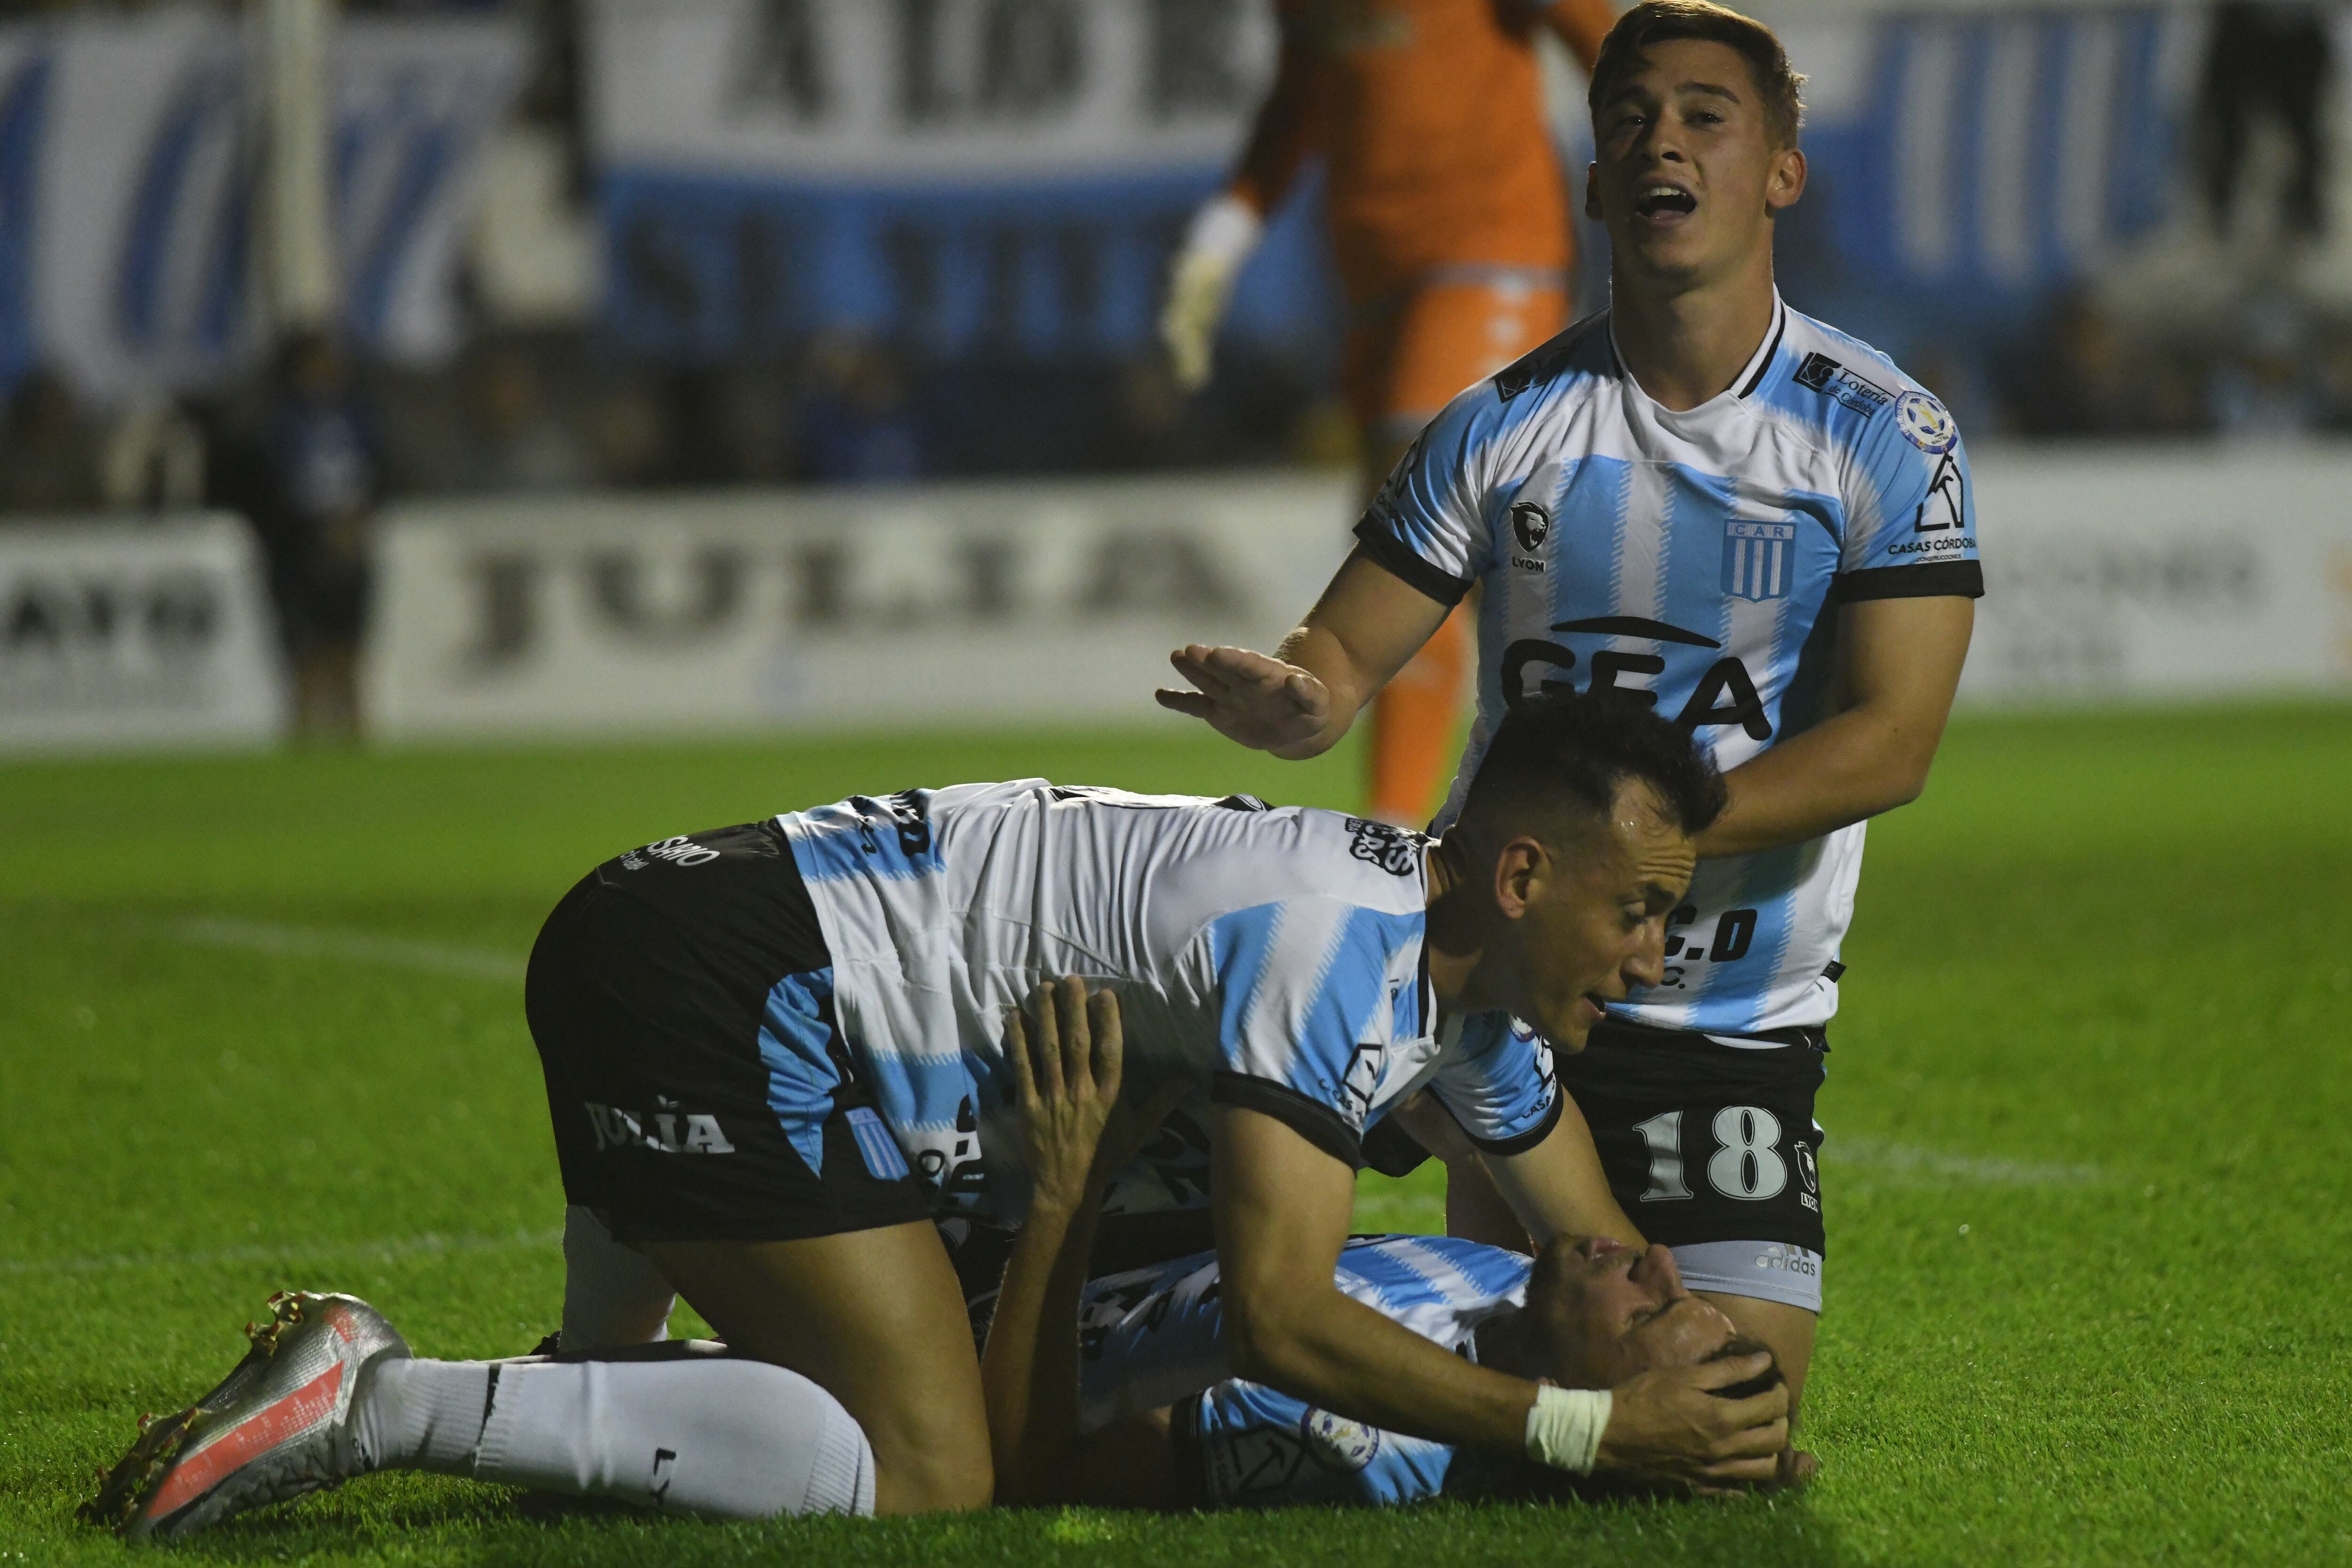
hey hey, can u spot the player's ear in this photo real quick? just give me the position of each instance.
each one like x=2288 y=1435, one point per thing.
x=1520 y=870
x=1785 y=181
x=1593 y=190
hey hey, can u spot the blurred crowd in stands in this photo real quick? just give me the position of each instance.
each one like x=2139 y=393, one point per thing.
x=546 y=411
x=2218 y=334
x=2234 y=323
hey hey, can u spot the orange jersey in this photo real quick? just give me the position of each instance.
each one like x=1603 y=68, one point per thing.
x=1430 y=117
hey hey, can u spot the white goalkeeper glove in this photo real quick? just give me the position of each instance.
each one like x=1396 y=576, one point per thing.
x=1223 y=232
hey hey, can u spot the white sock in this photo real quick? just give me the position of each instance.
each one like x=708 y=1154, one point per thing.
x=612 y=1295
x=425 y=1415
x=714 y=1436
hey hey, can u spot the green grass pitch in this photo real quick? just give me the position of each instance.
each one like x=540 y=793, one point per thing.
x=2089 y=1171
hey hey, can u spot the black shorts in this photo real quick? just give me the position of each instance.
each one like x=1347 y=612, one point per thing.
x=1702 y=1142
x=681 y=998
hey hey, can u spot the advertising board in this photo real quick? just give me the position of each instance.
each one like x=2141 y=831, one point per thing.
x=132 y=633
x=2111 y=575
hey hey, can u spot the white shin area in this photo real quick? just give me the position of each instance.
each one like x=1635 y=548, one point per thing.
x=708 y=1436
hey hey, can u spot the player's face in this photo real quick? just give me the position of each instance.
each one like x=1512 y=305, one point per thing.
x=1611 y=1312
x=1596 y=929
x=1684 y=173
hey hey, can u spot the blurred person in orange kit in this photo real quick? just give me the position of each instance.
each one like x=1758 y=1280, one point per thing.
x=1449 y=220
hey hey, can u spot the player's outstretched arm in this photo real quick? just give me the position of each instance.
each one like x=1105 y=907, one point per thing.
x=1282 y=1207
x=1075 y=1135
x=1898 y=667
x=1298 y=702
x=1558 y=1187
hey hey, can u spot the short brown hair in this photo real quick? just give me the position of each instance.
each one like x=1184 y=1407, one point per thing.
x=1739 y=1345
x=1666 y=21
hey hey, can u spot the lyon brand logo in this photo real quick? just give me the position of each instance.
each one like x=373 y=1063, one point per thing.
x=1530 y=524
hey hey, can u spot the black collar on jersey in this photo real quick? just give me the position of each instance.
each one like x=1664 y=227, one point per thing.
x=1763 y=367
x=1772 y=349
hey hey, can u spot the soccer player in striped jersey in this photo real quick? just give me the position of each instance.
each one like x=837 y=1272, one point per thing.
x=775 y=1054
x=1712 y=505
x=1119 y=1390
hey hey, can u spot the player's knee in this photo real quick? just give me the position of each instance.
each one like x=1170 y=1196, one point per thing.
x=930 y=1455
x=921 y=1480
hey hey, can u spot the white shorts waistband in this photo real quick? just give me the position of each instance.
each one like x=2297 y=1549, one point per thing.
x=1768 y=1270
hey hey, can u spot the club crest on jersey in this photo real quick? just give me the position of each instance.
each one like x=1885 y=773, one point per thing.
x=1925 y=424
x=1337 y=1443
x=1758 y=559
x=1530 y=523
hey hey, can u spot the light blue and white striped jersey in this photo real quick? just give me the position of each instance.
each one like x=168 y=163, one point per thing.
x=1154 y=1337
x=1696 y=560
x=1273 y=955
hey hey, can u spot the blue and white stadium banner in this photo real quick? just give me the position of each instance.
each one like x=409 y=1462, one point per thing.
x=971 y=172
x=1966 y=162
x=960 y=173
x=130 y=151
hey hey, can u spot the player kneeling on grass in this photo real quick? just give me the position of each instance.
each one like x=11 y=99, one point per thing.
x=1117 y=1391
x=775 y=1055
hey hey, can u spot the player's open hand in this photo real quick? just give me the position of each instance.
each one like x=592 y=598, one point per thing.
x=1670 y=1428
x=1251 y=698
x=1066 y=1052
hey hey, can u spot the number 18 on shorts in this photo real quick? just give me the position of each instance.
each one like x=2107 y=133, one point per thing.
x=1712 y=1149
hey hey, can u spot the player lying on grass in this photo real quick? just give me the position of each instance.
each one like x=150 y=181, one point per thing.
x=1147 y=1415
x=755 y=1039
x=1117 y=1391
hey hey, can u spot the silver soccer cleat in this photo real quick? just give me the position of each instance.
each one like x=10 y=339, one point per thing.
x=275 y=1427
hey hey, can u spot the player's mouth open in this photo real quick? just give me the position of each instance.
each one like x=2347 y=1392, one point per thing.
x=1664 y=202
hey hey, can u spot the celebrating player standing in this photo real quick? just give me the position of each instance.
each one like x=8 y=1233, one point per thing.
x=1449 y=220
x=1725 y=509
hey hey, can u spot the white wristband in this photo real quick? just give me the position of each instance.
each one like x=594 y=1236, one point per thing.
x=1226 y=227
x=1564 y=1428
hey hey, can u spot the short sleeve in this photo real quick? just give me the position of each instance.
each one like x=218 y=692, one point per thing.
x=1497 y=1079
x=1243 y=1444
x=1910 y=508
x=1308 y=992
x=1427 y=522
